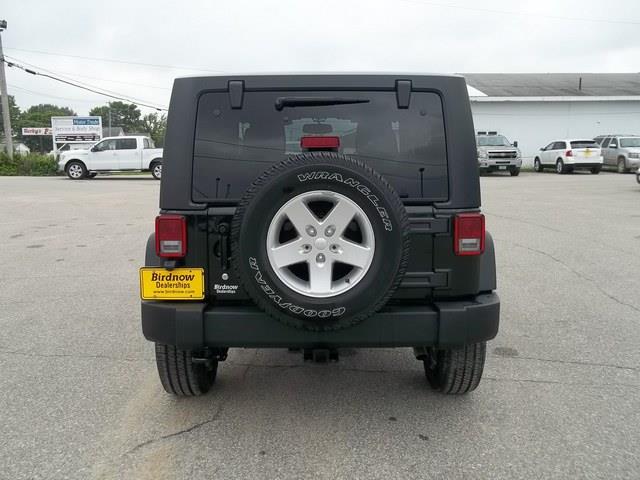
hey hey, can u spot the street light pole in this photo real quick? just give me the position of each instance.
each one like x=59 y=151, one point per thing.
x=6 y=118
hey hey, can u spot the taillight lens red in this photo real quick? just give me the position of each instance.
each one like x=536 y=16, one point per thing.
x=468 y=234
x=568 y=153
x=320 y=142
x=171 y=236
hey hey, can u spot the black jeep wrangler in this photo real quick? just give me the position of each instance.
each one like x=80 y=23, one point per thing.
x=316 y=212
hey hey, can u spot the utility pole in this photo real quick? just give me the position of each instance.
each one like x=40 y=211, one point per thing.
x=6 y=118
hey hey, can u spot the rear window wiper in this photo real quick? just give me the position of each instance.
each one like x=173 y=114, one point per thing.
x=282 y=102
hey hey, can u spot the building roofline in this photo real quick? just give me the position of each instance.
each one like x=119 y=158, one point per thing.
x=582 y=98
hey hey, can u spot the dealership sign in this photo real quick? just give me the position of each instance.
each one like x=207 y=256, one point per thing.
x=26 y=131
x=76 y=129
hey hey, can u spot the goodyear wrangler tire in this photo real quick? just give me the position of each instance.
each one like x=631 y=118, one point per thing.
x=320 y=241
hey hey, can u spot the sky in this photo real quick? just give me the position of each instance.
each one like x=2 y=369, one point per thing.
x=151 y=42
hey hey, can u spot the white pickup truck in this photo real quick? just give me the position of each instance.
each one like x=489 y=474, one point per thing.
x=113 y=154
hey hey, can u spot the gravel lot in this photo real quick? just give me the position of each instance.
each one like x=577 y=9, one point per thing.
x=80 y=397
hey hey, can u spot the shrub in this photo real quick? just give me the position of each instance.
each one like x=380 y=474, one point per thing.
x=31 y=164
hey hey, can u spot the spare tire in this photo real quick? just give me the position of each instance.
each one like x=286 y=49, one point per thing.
x=320 y=241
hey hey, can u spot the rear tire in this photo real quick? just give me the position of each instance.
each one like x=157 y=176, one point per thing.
x=179 y=375
x=560 y=168
x=621 y=165
x=76 y=170
x=514 y=172
x=455 y=371
x=156 y=170
x=596 y=170
x=537 y=165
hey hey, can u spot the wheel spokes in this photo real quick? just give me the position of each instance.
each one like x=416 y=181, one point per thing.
x=288 y=253
x=300 y=216
x=320 y=276
x=340 y=216
x=306 y=263
x=353 y=254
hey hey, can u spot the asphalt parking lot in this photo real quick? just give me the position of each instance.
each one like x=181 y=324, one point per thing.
x=80 y=397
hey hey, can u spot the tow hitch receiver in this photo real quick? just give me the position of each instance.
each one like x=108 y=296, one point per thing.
x=321 y=355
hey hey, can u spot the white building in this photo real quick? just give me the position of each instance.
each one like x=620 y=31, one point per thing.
x=534 y=108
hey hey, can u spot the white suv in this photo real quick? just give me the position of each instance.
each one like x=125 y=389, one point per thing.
x=569 y=155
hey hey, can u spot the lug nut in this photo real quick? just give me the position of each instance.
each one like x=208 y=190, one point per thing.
x=331 y=229
x=310 y=231
x=320 y=258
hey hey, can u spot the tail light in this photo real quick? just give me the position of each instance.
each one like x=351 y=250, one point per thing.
x=320 y=142
x=171 y=236
x=568 y=153
x=468 y=234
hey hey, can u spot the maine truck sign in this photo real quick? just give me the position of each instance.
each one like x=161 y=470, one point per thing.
x=76 y=129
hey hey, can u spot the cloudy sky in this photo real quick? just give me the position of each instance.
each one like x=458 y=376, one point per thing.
x=150 y=42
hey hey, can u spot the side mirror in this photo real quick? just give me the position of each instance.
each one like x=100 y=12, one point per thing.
x=515 y=144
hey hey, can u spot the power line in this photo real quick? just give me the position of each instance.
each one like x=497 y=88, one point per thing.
x=70 y=79
x=73 y=84
x=69 y=75
x=48 y=95
x=521 y=14
x=113 y=60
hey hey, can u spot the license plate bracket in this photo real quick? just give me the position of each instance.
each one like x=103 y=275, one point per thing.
x=176 y=284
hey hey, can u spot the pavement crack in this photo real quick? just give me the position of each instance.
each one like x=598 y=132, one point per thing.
x=22 y=353
x=174 y=434
x=557 y=230
x=579 y=275
x=570 y=362
x=190 y=429
x=556 y=382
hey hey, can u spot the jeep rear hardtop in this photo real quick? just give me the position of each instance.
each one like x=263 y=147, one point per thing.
x=395 y=123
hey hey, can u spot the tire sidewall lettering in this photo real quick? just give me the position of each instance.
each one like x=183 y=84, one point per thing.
x=287 y=305
x=357 y=185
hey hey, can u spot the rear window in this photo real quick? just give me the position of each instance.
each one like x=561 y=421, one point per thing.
x=234 y=146
x=584 y=144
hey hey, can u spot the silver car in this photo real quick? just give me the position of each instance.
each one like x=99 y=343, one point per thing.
x=620 y=151
x=496 y=152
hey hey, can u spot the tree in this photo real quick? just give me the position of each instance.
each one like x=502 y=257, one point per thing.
x=14 y=114
x=156 y=126
x=125 y=115
x=40 y=116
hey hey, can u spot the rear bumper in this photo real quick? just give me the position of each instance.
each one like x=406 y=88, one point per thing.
x=445 y=324
x=583 y=164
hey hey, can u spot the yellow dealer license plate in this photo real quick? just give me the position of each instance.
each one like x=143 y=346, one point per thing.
x=176 y=284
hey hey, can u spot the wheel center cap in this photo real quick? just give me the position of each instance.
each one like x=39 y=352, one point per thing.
x=320 y=243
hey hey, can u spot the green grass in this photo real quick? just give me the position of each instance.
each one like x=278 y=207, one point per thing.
x=31 y=164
